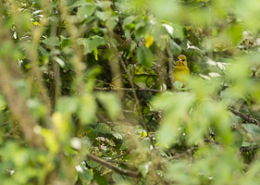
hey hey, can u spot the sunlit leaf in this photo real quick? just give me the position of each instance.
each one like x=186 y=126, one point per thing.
x=67 y=104
x=87 y=109
x=36 y=23
x=96 y=53
x=59 y=61
x=176 y=107
x=178 y=85
x=62 y=125
x=148 y=41
x=168 y=28
x=50 y=140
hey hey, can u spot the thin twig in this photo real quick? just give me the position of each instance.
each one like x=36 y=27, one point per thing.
x=136 y=99
x=126 y=89
x=129 y=166
x=113 y=167
x=18 y=107
x=247 y=118
x=170 y=67
x=127 y=152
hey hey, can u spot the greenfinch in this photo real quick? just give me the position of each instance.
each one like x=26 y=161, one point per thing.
x=181 y=71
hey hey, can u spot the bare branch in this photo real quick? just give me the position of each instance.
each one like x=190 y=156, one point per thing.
x=247 y=118
x=113 y=167
x=126 y=89
x=18 y=107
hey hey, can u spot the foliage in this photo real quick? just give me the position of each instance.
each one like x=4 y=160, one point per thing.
x=88 y=95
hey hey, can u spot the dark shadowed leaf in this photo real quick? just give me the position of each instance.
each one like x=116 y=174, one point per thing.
x=103 y=128
x=145 y=56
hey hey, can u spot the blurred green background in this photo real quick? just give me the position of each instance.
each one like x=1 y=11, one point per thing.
x=87 y=94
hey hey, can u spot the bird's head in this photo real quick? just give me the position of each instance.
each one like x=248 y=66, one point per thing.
x=182 y=60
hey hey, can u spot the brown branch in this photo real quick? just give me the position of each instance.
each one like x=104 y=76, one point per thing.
x=32 y=53
x=136 y=99
x=37 y=76
x=111 y=85
x=126 y=89
x=113 y=167
x=55 y=92
x=241 y=149
x=248 y=148
x=170 y=67
x=129 y=166
x=126 y=153
x=117 y=80
x=247 y=118
x=18 y=107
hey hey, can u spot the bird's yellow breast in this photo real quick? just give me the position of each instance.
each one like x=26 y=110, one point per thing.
x=181 y=73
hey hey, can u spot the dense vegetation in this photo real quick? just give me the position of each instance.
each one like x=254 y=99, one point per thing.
x=87 y=94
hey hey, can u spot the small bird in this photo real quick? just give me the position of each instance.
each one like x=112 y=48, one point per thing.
x=181 y=71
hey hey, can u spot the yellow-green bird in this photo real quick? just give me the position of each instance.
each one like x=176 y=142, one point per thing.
x=181 y=71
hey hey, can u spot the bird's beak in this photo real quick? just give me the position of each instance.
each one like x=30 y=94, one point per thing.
x=180 y=60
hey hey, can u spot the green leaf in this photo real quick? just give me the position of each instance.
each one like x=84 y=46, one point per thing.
x=80 y=3
x=61 y=123
x=90 y=133
x=85 y=174
x=111 y=23
x=2 y=101
x=87 y=109
x=96 y=53
x=67 y=104
x=180 y=172
x=23 y=20
x=145 y=56
x=91 y=43
x=248 y=144
x=145 y=168
x=65 y=42
x=103 y=128
x=252 y=129
x=104 y=5
x=37 y=108
x=175 y=48
x=117 y=135
x=100 y=179
x=85 y=11
x=51 y=42
x=118 y=178
x=111 y=103
x=176 y=107
x=43 y=51
x=59 y=61
x=178 y=85
x=124 y=146
x=128 y=21
x=50 y=140
x=5 y=48
x=103 y=15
